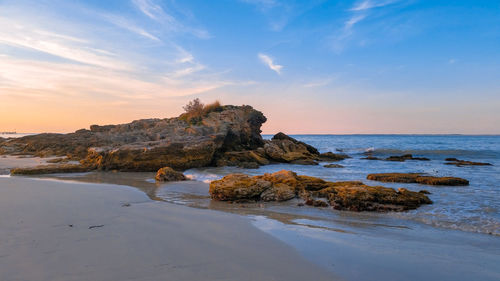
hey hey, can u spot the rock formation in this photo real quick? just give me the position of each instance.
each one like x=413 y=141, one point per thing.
x=169 y=174
x=417 y=178
x=215 y=136
x=285 y=185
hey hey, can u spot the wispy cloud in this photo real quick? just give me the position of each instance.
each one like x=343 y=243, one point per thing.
x=370 y=4
x=125 y=24
x=49 y=56
x=280 y=13
x=154 y=11
x=17 y=34
x=349 y=24
x=270 y=63
x=357 y=13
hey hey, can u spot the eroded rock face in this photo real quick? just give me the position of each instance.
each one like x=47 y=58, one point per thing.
x=286 y=185
x=150 y=144
x=417 y=178
x=169 y=174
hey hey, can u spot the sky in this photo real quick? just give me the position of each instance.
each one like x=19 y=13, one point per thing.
x=317 y=66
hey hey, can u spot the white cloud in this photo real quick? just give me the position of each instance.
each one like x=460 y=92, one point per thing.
x=270 y=63
x=155 y=12
x=357 y=13
x=123 y=23
x=48 y=55
x=370 y=4
x=152 y=10
x=349 y=24
x=18 y=35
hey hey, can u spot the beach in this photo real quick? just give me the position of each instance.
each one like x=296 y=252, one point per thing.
x=53 y=230
x=147 y=230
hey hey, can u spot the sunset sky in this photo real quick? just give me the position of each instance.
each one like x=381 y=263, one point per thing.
x=340 y=67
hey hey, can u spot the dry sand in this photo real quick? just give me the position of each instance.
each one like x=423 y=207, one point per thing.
x=45 y=235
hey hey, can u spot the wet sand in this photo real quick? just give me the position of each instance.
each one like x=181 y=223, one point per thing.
x=54 y=230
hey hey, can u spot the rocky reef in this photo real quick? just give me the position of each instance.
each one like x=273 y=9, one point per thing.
x=417 y=178
x=285 y=185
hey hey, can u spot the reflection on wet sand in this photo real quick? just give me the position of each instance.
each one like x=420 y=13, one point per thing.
x=195 y=194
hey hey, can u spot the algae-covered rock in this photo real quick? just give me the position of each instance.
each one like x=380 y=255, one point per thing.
x=169 y=174
x=238 y=187
x=285 y=185
x=417 y=178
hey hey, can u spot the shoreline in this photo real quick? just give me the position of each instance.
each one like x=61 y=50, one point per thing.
x=55 y=230
x=357 y=247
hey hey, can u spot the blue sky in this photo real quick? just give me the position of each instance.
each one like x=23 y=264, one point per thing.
x=367 y=66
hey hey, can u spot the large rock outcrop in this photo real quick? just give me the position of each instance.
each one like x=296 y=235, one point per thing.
x=150 y=144
x=213 y=136
x=285 y=185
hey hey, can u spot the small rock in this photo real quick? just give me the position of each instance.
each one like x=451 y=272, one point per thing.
x=169 y=174
x=333 y=166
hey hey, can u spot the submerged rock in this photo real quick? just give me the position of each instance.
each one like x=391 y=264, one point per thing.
x=169 y=174
x=370 y=158
x=417 y=178
x=405 y=157
x=285 y=185
x=460 y=163
x=333 y=166
x=330 y=156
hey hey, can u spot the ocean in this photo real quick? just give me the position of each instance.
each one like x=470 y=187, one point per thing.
x=473 y=208
x=455 y=238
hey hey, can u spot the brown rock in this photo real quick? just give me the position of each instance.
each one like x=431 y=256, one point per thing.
x=51 y=169
x=417 y=178
x=330 y=156
x=304 y=162
x=238 y=187
x=278 y=192
x=282 y=148
x=169 y=174
x=460 y=163
x=285 y=185
x=333 y=166
x=405 y=157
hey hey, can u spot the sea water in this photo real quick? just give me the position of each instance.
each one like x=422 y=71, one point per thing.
x=473 y=208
